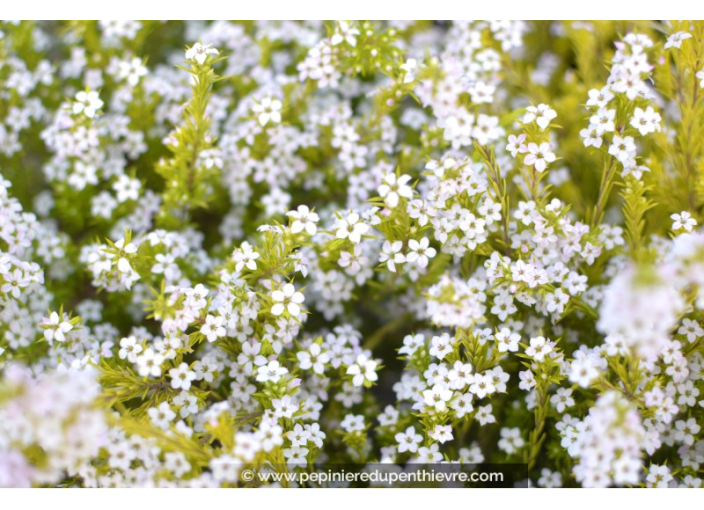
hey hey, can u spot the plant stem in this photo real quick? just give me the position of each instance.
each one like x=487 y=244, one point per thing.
x=604 y=192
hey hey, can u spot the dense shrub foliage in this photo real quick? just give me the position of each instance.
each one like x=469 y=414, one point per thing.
x=266 y=245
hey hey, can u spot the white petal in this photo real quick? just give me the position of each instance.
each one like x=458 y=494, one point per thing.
x=294 y=309
x=124 y=265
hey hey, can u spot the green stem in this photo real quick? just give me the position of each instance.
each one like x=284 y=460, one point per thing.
x=604 y=192
x=537 y=436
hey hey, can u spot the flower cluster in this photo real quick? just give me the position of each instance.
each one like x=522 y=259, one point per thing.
x=350 y=242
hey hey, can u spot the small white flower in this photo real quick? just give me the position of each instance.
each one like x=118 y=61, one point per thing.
x=344 y=32
x=539 y=156
x=683 y=221
x=352 y=423
x=391 y=254
x=57 y=328
x=287 y=299
x=129 y=349
x=646 y=121
x=132 y=70
x=273 y=372
x=411 y=67
x=420 y=251
x=181 y=377
x=409 y=440
x=268 y=109
x=351 y=228
x=123 y=265
x=437 y=397
x=392 y=188
x=149 y=363
x=676 y=39
x=507 y=341
x=199 y=52
x=442 y=433
x=539 y=348
x=245 y=256
x=213 y=328
x=313 y=358
x=364 y=369
x=303 y=219
x=88 y=103
x=542 y=115
x=515 y=144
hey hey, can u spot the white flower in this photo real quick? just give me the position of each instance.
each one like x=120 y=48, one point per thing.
x=288 y=299
x=676 y=39
x=408 y=441
x=132 y=70
x=181 y=377
x=304 y=219
x=149 y=363
x=538 y=348
x=437 y=397
x=57 y=328
x=129 y=349
x=296 y=456
x=364 y=369
x=603 y=121
x=527 y=380
x=691 y=329
x=213 y=328
x=344 y=32
x=684 y=221
x=658 y=476
x=562 y=399
x=511 y=440
x=420 y=252
x=352 y=262
x=313 y=358
x=126 y=188
x=507 y=341
x=583 y=370
x=460 y=376
x=351 y=228
x=600 y=97
x=268 y=109
x=591 y=139
x=392 y=188
x=484 y=415
x=245 y=256
x=391 y=254
x=515 y=144
x=88 y=103
x=411 y=66
x=462 y=405
x=199 y=52
x=429 y=454
x=273 y=372
x=298 y=436
x=123 y=265
x=442 y=433
x=542 y=115
x=646 y=121
x=539 y=156
x=162 y=415
x=352 y=423
x=482 y=385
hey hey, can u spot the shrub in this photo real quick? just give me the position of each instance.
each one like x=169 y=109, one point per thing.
x=350 y=242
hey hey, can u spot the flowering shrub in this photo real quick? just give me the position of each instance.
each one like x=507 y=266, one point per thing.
x=351 y=242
